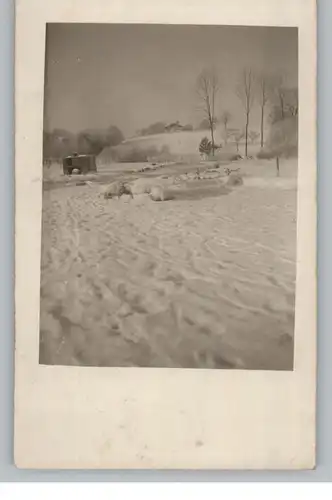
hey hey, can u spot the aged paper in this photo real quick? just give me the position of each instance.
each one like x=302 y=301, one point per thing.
x=165 y=234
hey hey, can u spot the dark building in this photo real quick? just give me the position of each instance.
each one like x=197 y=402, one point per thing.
x=83 y=163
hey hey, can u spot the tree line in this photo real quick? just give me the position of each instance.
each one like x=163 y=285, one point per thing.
x=252 y=89
x=60 y=142
x=269 y=93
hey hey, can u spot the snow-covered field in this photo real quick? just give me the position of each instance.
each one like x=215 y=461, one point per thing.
x=203 y=280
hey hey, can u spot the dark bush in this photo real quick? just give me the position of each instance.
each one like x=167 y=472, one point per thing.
x=94 y=141
x=282 y=140
x=265 y=154
x=205 y=146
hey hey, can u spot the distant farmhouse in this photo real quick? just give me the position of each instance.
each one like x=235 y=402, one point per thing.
x=174 y=127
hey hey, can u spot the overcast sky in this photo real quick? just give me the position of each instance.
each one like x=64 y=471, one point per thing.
x=134 y=75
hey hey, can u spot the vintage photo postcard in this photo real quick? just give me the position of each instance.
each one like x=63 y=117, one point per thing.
x=165 y=234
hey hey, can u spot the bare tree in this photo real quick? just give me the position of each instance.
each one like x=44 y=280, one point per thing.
x=281 y=97
x=264 y=87
x=238 y=136
x=286 y=105
x=225 y=118
x=207 y=89
x=280 y=92
x=292 y=101
x=245 y=92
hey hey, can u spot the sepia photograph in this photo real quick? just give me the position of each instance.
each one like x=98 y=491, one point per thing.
x=165 y=235
x=169 y=208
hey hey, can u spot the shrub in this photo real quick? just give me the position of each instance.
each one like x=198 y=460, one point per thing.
x=94 y=141
x=265 y=154
x=205 y=146
x=283 y=138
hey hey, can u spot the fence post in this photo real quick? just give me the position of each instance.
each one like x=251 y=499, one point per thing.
x=278 y=169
